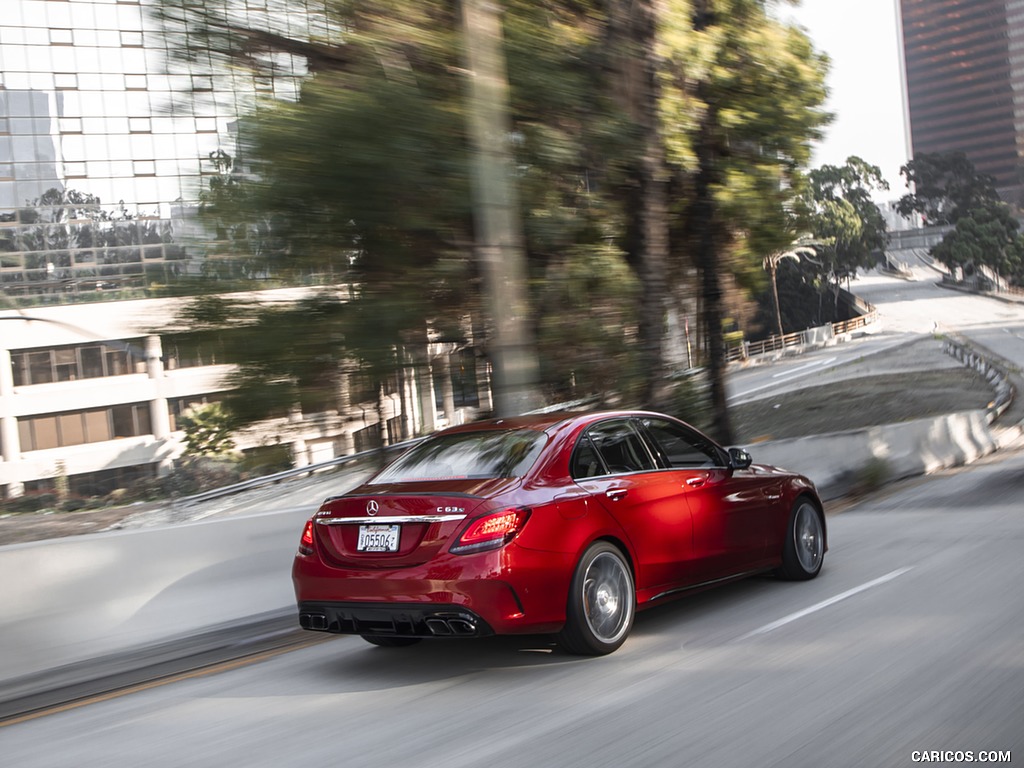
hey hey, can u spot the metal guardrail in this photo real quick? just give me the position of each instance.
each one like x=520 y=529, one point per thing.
x=288 y=474
x=338 y=461
x=747 y=349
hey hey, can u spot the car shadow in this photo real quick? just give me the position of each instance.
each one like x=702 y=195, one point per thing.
x=348 y=664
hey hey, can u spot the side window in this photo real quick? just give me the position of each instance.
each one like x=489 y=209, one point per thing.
x=681 y=447
x=585 y=461
x=620 y=447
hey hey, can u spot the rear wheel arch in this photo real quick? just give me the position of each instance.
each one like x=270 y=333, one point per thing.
x=601 y=601
x=616 y=542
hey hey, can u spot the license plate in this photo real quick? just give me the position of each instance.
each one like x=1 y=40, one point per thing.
x=378 y=538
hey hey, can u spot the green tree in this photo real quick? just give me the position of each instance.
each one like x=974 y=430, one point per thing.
x=207 y=431
x=665 y=134
x=843 y=213
x=947 y=189
x=944 y=186
x=986 y=235
x=743 y=101
x=803 y=246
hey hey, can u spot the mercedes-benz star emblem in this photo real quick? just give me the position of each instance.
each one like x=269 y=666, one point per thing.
x=372 y=508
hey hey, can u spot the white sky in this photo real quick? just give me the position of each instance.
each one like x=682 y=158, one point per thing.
x=865 y=90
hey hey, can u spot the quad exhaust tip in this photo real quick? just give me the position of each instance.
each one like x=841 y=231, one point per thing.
x=456 y=626
x=439 y=627
x=316 y=621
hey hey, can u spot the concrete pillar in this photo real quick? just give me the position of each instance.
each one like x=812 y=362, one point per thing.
x=483 y=384
x=158 y=414
x=10 y=441
x=343 y=393
x=410 y=403
x=428 y=414
x=444 y=364
x=300 y=454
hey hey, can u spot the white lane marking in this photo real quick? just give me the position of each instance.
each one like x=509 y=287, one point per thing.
x=802 y=367
x=852 y=359
x=790 y=374
x=826 y=603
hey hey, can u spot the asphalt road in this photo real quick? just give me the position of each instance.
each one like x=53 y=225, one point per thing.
x=909 y=640
x=908 y=310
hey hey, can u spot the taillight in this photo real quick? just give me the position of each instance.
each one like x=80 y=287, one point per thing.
x=491 y=531
x=306 y=542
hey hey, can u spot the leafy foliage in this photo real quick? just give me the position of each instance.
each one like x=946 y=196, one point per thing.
x=986 y=235
x=743 y=100
x=65 y=228
x=945 y=187
x=207 y=430
x=843 y=215
x=665 y=142
x=948 y=190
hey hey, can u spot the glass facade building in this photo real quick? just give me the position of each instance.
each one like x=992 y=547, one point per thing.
x=104 y=141
x=964 y=62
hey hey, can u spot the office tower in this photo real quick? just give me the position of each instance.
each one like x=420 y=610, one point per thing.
x=101 y=154
x=965 y=82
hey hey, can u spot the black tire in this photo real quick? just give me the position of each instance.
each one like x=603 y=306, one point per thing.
x=601 y=604
x=804 y=548
x=388 y=641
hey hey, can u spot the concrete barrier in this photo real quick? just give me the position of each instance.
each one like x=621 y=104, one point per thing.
x=843 y=461
x=68 y=601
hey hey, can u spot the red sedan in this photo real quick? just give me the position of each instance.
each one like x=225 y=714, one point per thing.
x=563 y=524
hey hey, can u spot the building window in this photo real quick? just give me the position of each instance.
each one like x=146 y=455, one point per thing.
x=42 y=366
x=65 y=81
x=58 y=430
x=396 y=430
x=464 y=379
x=187 y=352
x=97 y=483
x=367 y=439
x=60 y=37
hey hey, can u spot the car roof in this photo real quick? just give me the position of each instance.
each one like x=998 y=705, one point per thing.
x=544 y=422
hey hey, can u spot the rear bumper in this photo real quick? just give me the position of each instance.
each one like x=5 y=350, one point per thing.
x=392 y=619
x=507 y=591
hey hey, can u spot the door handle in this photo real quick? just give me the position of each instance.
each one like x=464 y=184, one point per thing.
x=616 y=493
x=695 y=482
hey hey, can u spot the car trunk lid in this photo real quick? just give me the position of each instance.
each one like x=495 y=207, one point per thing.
x=398 y=525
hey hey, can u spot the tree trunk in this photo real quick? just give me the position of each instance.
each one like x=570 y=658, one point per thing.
x=773 y=272
x=706 y=231
x=496 y=213
x=711 y=289
x=635 y=30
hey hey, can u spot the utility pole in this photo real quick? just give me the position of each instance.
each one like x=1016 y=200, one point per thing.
x=499 y=240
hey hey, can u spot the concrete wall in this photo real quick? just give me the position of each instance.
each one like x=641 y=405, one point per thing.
x=843 y=461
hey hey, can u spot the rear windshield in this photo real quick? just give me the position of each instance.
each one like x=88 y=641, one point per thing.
x=507 y=453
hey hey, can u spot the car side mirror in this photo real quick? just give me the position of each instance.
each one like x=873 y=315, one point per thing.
x=739 y=459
